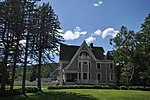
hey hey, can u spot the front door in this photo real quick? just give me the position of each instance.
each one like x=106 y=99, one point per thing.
x=71 y=77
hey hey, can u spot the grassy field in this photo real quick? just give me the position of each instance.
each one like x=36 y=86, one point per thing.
x=84 y=94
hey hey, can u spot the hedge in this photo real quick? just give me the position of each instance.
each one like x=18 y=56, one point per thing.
x=18 y=91
x=99 y=87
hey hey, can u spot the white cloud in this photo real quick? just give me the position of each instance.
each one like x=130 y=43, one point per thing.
x=83 y=33
x=95 y=4
x=98 y=32
x=76 y=33
x=98 y=3
x=90 y=39
x=109 y=31
x=77 y=29
x=70 y=35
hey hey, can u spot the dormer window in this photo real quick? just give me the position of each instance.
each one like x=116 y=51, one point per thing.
x=84 y=55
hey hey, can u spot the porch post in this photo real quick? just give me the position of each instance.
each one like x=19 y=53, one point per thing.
x=81 y=71
x=88 y=72
x=63 y=76
x=77 y=77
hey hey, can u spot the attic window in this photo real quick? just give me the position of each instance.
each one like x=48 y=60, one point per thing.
x=84 y=55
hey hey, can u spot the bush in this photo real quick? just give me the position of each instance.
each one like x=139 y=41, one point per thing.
x=83 y=87
x=31 y=89
x=99 y=87
x=139 y=88
x=123 y=88
x=10 y=93
x=18 y=91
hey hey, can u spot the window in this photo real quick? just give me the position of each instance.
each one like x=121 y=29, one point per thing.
x=79 y=66
x=84 y=55
x=98 y=66
x=111 y=66
x=89 y=66
x=111 y=77
x=89 y=76
x=84 y=75
x=85 y=63
x=79 y=75
x=98 y=76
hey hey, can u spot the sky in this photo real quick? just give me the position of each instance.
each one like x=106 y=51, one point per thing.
x=97 y=21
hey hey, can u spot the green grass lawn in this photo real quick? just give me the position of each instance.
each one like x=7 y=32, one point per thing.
x=84 y=94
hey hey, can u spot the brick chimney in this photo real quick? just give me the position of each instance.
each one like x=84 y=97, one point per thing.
x=91 y=46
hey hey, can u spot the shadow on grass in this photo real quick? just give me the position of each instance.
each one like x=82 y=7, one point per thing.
x=52 y=96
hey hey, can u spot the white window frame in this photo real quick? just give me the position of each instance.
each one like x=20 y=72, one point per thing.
x=100 y=76
x=79 y=63
x=110 y=77
x=86 y=75
x=79 y=74
x=84 y=56
x=97 y=65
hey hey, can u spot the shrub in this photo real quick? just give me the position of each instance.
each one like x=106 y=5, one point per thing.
x=31 y=89
x=123 y=88
x=10 y=93
x=139 y=88
x=99 y=87
x=81 y=87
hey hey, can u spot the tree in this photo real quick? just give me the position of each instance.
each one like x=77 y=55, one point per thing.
x=29 y=5
x=23 y=20
x=142 y=53
x=7 y=37
x=124 y=45
x=46 y=39
x=17 y=9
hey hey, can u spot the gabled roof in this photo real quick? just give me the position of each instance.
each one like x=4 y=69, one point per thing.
x=68 y=51
x=98 y=53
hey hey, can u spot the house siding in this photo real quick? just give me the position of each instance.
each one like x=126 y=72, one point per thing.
x=74 y=65
x=93 y=69
x=105 y=72
x=64 y=65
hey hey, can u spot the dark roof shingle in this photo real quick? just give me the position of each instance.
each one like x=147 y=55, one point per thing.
x=68 y=51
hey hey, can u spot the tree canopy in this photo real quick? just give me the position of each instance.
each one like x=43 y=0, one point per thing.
x=28 y=32
x=131 y=53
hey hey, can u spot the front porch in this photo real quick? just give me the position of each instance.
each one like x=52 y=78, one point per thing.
x=80 y=78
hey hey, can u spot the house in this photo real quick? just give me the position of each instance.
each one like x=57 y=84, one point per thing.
x=86 y=64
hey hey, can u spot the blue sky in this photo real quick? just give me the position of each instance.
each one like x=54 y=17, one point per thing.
x=97 y=21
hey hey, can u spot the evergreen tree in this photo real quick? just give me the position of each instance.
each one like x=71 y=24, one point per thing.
x=22 y=20
x=30 y=9
x=7 y=37
x=46 y=38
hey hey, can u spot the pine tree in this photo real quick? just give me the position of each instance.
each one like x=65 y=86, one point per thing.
x=47 y=37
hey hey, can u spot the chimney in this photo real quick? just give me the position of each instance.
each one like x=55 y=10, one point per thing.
x=91 y=46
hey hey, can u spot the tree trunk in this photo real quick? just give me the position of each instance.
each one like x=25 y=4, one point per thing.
x=39 y=69
x=14 y=65
x=25 y=65
x=4 y=70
